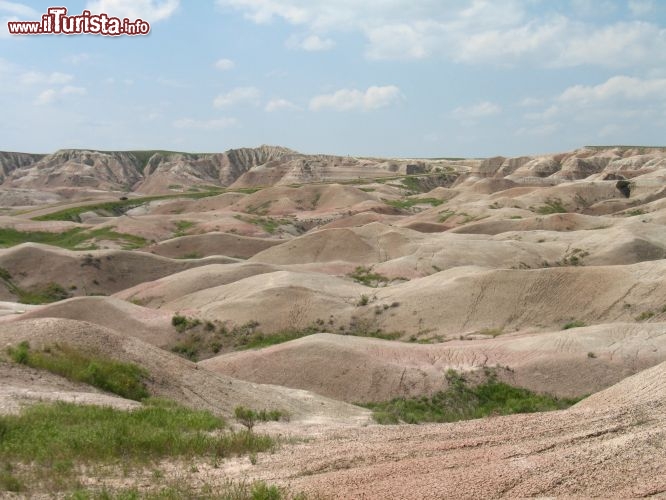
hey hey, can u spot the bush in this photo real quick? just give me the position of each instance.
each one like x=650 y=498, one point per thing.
x=249 y=417
x=552 y=206
x=461 y=401
x=573 y=324
x=182 y=323
x=644 y=316
x=365 y=276
x=246 y=417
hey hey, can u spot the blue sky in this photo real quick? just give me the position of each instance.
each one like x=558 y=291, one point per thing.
x=420 y=78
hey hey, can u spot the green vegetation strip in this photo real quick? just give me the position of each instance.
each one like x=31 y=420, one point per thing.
x=230 y=490
x=51 y=292
x=201 y=339
x=410 y=202
x=53 y=440
x=116 y=208
x=123 y=379
x=462 y=401
x=72 y=239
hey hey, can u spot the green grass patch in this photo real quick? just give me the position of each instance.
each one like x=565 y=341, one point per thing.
x=445 y=215
x=463 y=401
x=268 y=224
x=73 y=239
x=47 y=294
x=410 y=202
x=182 y=226
x=412 y=183
x=365 y=276
x=259 y=340
x=573 y=324
x=123 y=379
x=191 y=255
x=644 y=316
x=230 y=490
x=63 y=432
x=552 y=206
x=117 y=208
x=634 y=212
x=51 y=444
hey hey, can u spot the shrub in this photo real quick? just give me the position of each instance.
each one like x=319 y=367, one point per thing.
x=246 y=417
x=644 y=316
x=461 y=401
x=249 y=417
x=552 y=206
x=365 y=276
x=573 y=324
x=183 y=323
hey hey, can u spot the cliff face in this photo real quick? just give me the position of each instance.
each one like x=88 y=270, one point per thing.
x=153 y=172
x=9 y=162
x=143 y=171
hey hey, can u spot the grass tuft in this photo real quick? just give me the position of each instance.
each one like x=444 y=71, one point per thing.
x=552 y=206
x=123 y=379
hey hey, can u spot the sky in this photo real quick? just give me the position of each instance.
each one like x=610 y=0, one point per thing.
x=391 y=78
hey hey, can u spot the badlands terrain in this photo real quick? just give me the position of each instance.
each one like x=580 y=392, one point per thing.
x=322 y=287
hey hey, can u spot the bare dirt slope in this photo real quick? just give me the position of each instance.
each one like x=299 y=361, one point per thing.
x=88 y=272
x=445 y=305
x=611 y=446
x=361 y=369
x=149 y=325
x=205 y=245
x=176 y=378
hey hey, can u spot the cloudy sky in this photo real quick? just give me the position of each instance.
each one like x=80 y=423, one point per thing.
x=419 y=78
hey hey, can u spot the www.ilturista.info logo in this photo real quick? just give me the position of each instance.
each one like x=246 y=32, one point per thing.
x=57 y=22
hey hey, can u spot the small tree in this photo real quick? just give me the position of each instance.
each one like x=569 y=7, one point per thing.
x=246 y=417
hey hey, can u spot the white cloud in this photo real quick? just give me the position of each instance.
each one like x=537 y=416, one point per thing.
x=498 y=32
x=528 y=102
x=69 y=90
x=610 y=130
x=148 y=10
x=623 y=87
x=213 y=124
x=310 y=43
x=542 y=130
x=224 y=64
x=49 y=96
x=18 y=9
x=402 y=41
x=77 y=59
x=46 y=97
x=239 y=95
x=546 y=114
x=168 y=82
x=478 y=110
x=37 y=78
x=279 y=104
x=642 y=7
x=350 y=99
